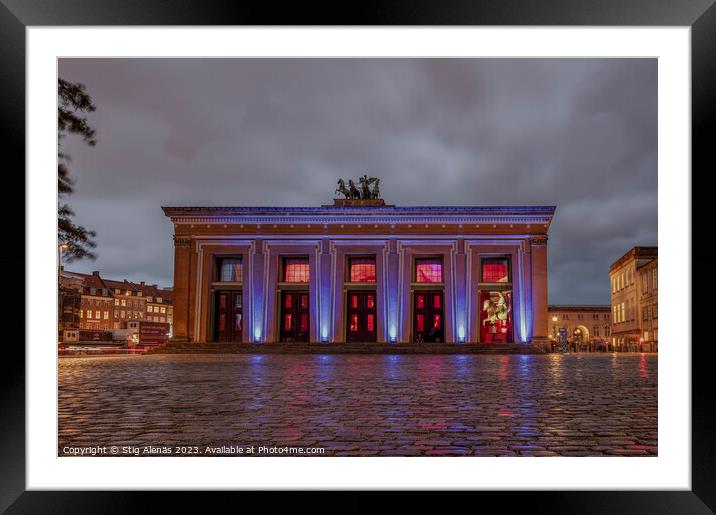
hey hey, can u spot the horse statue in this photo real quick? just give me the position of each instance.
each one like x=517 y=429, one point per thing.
x=353 y=190
x=364 y=183
x=376 y=189
x=342 y=189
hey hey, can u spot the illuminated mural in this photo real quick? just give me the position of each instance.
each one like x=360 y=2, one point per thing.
x=496 y=316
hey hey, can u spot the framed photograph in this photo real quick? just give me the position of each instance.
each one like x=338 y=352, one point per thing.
x=416 y=249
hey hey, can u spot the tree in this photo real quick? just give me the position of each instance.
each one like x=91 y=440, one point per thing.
x=73 y=103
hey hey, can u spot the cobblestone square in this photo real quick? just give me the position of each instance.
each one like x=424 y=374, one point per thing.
x=366 y=405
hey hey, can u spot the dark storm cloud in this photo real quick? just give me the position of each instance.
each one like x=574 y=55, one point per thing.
x=577 y=133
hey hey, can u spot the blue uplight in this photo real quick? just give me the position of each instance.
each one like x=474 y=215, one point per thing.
x=461 y=334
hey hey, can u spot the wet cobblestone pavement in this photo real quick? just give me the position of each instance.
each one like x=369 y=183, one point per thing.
x=366 y=405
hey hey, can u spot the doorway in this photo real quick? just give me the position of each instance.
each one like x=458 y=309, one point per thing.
x=361 y=319
x=228 y=322
x=428 y=317
x=295 y=320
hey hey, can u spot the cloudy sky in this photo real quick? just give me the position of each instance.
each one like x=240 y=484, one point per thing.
x=580 y=134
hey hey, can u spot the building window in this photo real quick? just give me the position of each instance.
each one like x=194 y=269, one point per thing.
x=82 y=313
x=159 y=299
x=230 y=270
x=124 y=302
x=96 y=315
x=296 y=270
x=429 y=270
x=623 y=313
x=495 y=270
x=162 y=310
x=362 y=270
x=106 y=315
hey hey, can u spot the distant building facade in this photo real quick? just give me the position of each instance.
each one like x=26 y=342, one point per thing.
x=69 y=301
x=634 y=303
x=649 y=304
x=105 y=304
x=128 y=302
x=97 y=307
x=587 y=328
x=158 y=305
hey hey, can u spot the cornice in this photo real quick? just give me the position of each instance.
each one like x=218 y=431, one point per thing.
x=214 y=211
x=370 y=218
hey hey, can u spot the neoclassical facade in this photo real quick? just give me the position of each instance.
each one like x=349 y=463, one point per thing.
x=361 y=271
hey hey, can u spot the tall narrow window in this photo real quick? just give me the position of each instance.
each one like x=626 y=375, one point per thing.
x=362 y=270
x=495 y=270
x=296 y=270
x=429 y=270
x=230 y=270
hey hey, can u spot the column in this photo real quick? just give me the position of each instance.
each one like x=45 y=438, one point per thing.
x=461 y=293
x=393 y=321
x=324 y=292
x=255 y=309
x=540 y=324
x=182 y=258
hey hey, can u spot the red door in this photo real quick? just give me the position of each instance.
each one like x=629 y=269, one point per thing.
x=428 y=319
x=295 y=319
x=228 y=322
x=361 y=317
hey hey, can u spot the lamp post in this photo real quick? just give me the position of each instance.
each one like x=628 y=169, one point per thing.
x=554 y=328
x=578 y=339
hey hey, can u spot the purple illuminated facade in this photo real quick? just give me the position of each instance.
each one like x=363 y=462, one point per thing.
x=372 y=273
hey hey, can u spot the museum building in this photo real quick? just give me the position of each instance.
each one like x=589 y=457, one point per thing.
x=361 y=271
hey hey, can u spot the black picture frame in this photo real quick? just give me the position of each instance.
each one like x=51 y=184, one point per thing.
x=17 y=15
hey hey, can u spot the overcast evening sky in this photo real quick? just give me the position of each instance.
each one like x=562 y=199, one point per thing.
x=580 y=134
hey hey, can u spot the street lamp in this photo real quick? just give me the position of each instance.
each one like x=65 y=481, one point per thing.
x=554 y=330
x=554 y=327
